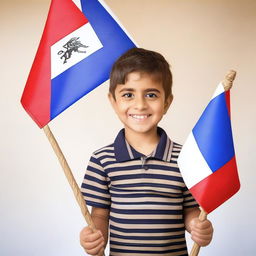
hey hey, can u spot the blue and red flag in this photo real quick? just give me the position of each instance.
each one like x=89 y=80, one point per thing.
x=80 y=42
x=207 y=160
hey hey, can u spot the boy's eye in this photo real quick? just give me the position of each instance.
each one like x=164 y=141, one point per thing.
x=128 y=95
x=151 y=95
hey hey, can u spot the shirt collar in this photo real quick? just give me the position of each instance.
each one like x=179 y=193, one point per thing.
x=125 y=152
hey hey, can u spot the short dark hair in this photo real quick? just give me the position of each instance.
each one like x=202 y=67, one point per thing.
x=144 y=61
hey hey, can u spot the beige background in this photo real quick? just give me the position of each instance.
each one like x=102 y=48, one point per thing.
x=201 y=39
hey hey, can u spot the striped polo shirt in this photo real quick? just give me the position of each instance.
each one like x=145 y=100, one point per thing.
x=146 y=196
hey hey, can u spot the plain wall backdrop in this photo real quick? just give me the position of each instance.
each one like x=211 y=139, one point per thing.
x=202 y=40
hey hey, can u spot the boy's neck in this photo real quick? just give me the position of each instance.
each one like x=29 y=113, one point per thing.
x=144 y=143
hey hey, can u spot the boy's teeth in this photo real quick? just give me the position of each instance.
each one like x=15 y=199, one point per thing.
x=139 y=116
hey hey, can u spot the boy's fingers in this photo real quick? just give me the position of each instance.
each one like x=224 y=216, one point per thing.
x=201 y=236
x=90 y=236
x=201 y=240
x=96 y=250
x=92 y=241
x=203 y=224
x=94 y=244
x=201 y=232
x=203 y=229
x=200 y=225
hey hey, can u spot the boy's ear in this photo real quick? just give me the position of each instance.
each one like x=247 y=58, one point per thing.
x=167 y=103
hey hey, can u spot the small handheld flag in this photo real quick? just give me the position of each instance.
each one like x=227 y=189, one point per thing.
x=207 y=160
x=80 y=42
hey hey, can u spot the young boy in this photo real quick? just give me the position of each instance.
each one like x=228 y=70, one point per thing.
x=134 y=185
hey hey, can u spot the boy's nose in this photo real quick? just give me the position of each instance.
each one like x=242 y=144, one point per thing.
x=140 y=103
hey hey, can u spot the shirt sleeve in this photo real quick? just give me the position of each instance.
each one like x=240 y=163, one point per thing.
x=188 y=199
x=95 y=185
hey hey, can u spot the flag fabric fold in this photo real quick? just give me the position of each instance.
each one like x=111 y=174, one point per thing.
x=80 y=42
x=207 y=160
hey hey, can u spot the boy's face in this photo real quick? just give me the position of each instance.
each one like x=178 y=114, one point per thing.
x=140 y=103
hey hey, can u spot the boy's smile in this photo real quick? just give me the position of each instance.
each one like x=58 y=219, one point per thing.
x=140 y=117
x=140 y=103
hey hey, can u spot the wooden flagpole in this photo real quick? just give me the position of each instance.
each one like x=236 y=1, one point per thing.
x=69 y=176
x=68 y=173
x=227 y=83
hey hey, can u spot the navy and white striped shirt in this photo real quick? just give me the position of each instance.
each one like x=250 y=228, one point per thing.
x=146 y=196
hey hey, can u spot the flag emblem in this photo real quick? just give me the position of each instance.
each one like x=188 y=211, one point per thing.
x=71 y=46
x=78 y=45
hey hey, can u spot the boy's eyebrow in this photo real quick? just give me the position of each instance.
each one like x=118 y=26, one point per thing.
x=152 y=90
x=125 y=89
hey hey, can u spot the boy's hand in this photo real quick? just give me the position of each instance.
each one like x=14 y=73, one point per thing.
x=201 y=231
x=92 y=241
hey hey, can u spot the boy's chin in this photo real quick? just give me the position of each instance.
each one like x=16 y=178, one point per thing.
x=139 y=129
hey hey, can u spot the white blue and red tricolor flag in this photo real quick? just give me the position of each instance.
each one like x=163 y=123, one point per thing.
x=207 y=160
x=80 y=42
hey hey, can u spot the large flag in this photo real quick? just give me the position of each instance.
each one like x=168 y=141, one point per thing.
x=207 y=160
x=80 y=42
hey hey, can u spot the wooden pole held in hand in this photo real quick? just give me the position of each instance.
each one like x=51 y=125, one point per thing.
x=227 y=84
x=196 y=248
x=69 y=176
x=68 y=173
